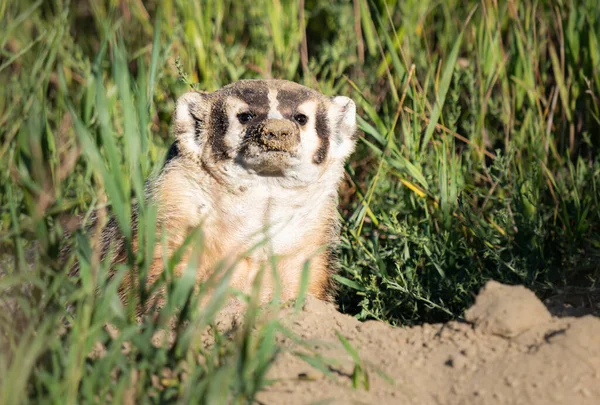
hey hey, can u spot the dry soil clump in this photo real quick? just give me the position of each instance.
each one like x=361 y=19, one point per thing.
x=510 y=351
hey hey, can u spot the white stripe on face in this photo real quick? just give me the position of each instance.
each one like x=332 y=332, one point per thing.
x=273 y=105
x=310 y=138
x=233 y=136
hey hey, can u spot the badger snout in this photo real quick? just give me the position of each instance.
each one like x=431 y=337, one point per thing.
x=278 y=135
x=271 y=147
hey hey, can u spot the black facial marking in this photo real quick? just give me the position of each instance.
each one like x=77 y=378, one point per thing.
x=322 y=128
x=255 y=93
x=289 y=100
x=219 y=124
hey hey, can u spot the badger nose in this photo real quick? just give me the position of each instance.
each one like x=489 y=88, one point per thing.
x=279 y=134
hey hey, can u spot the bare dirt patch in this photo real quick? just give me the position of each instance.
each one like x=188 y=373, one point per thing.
x=511 y=350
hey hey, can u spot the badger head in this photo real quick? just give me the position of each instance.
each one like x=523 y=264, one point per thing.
x=265 y=129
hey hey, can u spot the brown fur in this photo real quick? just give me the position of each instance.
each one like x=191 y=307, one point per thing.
x=178 y=212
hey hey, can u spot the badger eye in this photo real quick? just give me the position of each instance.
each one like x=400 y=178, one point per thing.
x=245 y=117
x=300 y=119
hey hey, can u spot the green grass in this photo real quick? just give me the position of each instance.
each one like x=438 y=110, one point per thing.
x=478 y=160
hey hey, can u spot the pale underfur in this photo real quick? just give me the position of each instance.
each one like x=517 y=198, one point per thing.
x=246 y=217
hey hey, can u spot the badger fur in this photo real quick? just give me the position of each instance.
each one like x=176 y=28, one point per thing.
x=257 y=160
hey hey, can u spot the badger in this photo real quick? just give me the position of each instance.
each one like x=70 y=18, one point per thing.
x=256 y=165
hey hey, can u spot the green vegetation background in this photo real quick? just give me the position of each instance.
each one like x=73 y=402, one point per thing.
x=478 y=160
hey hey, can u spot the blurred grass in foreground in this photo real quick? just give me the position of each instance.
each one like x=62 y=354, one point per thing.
x=479 y=160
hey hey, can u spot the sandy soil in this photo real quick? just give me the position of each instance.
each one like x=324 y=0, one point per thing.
x=510 y=350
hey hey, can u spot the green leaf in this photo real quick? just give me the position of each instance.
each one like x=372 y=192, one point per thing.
x=443 y=90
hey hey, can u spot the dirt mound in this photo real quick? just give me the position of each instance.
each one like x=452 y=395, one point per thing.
x=510 y=351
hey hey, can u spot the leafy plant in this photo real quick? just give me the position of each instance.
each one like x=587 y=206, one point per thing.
x=478 y=159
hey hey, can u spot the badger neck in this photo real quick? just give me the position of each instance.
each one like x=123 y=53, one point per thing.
x=236 y=211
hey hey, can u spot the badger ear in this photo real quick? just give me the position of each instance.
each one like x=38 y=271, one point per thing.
x=188 y=122
x=343 y=119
